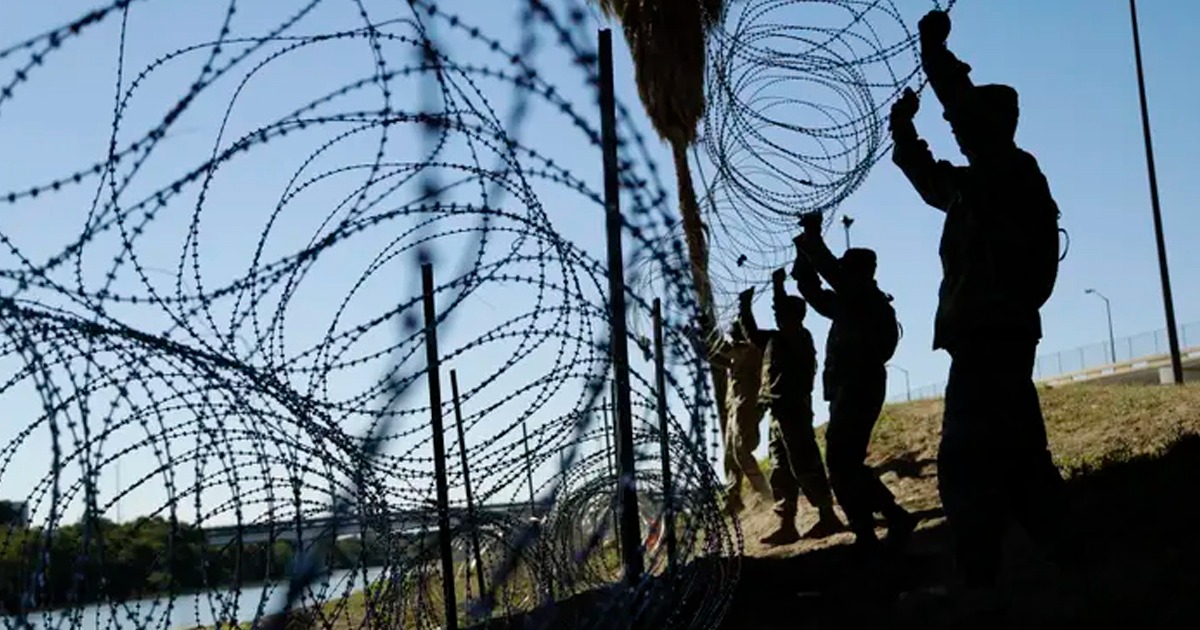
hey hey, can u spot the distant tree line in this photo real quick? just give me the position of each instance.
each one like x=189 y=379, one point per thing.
x=101 y=560
x=13 y=513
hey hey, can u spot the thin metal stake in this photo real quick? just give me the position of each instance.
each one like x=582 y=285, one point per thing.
x=631 y=549
x=610 y=420
x=528 y=470
x=439 y=449
x=462 y=452
x=660 y=381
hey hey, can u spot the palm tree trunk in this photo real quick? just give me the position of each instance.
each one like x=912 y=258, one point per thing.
x=693 y=232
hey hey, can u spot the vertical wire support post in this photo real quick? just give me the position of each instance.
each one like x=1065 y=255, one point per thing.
x=533 y=515
x=614 y=470
x=608 y=451
x=631 y=549
x=471 y=515
x=609 y=417
x=612 y=391
x=433 y=367
x=528 y=470
x=660 y=386
x=1168 y=302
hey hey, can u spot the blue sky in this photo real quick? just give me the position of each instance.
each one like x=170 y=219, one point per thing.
x=1071 y=61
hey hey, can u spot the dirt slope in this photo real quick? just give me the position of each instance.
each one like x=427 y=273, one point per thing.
x=1131 y=455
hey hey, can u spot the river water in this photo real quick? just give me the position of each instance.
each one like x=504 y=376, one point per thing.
x=192 y=610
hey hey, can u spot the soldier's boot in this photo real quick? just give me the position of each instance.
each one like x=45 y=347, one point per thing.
x=865 y=540
x=827 y=525
x=900 y=527
x=761 y=487
x=734 y=504
x=785 y=534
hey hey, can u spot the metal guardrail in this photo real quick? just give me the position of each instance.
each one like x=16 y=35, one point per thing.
x=1151 y=362
x=1091 y=357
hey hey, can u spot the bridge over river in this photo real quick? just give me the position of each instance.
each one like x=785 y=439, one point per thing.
x=308 y=529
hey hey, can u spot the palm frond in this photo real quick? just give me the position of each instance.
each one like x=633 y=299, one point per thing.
x=612 y=8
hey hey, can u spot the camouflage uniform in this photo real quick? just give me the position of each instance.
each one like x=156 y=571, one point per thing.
x=855 y=382
x=789 y=369
x=993 y=459
x=744 y=362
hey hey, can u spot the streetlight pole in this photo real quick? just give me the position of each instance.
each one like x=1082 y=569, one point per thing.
x=1168 y=303
x=907 y=386
x=847 y=221
x=1112 y=341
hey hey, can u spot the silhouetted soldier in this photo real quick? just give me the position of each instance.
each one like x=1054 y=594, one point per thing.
x=999 y=252
x=862 y=338
x=744 y=362
x=789 y=369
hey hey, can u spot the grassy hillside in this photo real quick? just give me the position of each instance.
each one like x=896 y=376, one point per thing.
x=1090 y=427
x=1131 y=455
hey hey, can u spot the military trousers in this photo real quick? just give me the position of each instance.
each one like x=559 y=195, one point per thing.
x=857 y=400
x=994 y=464
x=796 y=459
x=741 y=438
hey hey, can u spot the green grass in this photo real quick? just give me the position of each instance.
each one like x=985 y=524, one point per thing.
x=1089 y=427
x=1131 y=454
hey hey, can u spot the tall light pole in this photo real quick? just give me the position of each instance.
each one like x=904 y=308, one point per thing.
x=907 y=386
x=1168 y=303
x=1112 y=341
x=847 y=221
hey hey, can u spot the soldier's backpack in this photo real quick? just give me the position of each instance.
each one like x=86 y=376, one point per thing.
x=1042 y=234
x=886 y=327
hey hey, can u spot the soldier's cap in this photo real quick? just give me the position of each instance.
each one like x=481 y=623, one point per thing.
x=859 y=257
x=793 y=302
x=993 y=101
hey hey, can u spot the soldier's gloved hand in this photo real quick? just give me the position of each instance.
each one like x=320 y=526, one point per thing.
x=778 y=276
x=802 y=268
x=801 y=242
x=906 y=107
x=811 y=222
x=934 y=28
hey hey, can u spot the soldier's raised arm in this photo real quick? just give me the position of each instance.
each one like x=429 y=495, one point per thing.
x=813 y=247
x=746 y=320
x=806 y=270
x=934 y=180
x=948 y=76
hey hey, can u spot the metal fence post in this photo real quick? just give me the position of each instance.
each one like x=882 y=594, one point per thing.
x=660 y=382
x=528 y=470
x=439 y=449
x=471 y=516
x=631 y=550
x=609 y=437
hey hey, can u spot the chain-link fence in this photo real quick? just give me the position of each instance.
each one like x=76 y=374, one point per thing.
x=1090 y=357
